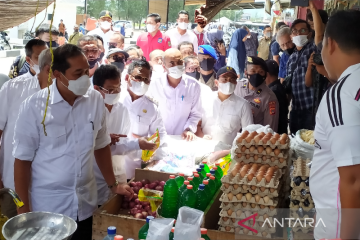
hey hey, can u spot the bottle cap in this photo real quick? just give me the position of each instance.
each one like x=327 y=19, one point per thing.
x=212 y=171
x=190 y=178
x=201 y=186
x=173 y=230
x=204 y=161
x=217 y=164
x=186 y=182
x=202 y=166
x=203 y=230
x=111 y=230
x=206 y=182
x=215 y=168
x=212 y=177
x=208 y=174
x=118 y=237
x=181 y=174
x=196 y=175
x=194 y=172
x=148 y=218
x=172 y=177
x=189 y=187
x=198 y=170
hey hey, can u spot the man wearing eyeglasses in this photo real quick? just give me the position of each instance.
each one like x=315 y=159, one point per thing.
x=90 y=47
x=107 y=82
x=286 y=44
x=301 y=115
x=144 y=112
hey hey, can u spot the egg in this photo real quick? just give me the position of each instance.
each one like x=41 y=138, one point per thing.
x=268 y=150
x=260 y=149
x=272 y=190
x=229 y=212
x=247 y=213
x=242 y=173
x=248 y=196
x=265 y=140
x=257 y=198
x=247 y=156
x=253 y=205
x=281 y=160
x=228 y=229
x=225 y=219
x=253 y=188
x=250 y=177
x=264 y=234
x=273 y=140
x=259 y=176
x=244 y=134
x=226 y=203
x=238 y=155
x=268 y=178
x=264 y=167
x=238 y=213
x=257 y=139
x=239 y=140
x=235 y=186
x=252 y=148
x=262 y=189
x=245 y=230
x=235 y=204
x=276 y=135
x=277 y=152
x=254 y=133
x=244 y=204
x=266 y=199
x=239 y=196
x=249 y=138
x=262 y=206
x=243 y=148
x=226 y=185
x=234 y=172
x=237 y=230
x=265 y=216
x=233 y=220
x=272 y=207
x=256 y=157
x=245 y=187
x=262 y=134
x=264 y=158
x=272 y=159
x=230 y=196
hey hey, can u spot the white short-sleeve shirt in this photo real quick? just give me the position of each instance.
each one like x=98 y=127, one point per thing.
x=62 y=176
x=176 y=38
x=227 y=118
x=336 y=135
x=12 y=94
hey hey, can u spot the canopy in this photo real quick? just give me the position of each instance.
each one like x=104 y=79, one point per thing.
x=15 y=12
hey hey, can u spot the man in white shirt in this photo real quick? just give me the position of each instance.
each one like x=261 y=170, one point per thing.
x=181 y=33
x=107 y=82
x=230 y=113
x=12 y=94
x=179 y=97
x=144 y=112
x=56 y=157
x=334 y=174
x=104 y=28
x=156 y=63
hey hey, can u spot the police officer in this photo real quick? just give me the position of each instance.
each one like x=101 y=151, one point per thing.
x=263 y=101
x=207 y=58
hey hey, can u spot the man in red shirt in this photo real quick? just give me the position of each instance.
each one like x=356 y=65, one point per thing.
x=153 y=38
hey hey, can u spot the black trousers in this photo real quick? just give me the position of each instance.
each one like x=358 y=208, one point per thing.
x=301 y=119
x=84 y=230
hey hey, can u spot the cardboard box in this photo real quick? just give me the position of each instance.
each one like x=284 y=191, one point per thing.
x=127 y=226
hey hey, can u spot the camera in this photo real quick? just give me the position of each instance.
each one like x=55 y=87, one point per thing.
x=317 y=59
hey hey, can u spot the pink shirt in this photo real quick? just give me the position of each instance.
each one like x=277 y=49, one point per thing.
x=148 y=43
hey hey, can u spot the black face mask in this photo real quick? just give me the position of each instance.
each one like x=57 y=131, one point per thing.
x=101 y=56
x=256 y=79
x=53 y=44
x=119 y=65
x=92 y=63
x=289 y=51
x=195 y=74
x=207 y=64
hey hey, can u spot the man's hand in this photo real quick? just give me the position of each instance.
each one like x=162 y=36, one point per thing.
x=221 y=48
x=115 y=138
x=146 y=145
x=207 y=137
x=123 y=189
x=311 y=60
x=188 y=136
x=311 y=5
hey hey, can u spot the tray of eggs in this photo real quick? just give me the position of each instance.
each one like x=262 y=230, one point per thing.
x=238 y=188
x=301 y=214
x=249 y=198
x=263 y=139
x=259 y=223
x=254 y=208
x=249 y=158
x=241 y=214
x=299 y=183
x=244 y=231
x=300 y=168
x=260 y=151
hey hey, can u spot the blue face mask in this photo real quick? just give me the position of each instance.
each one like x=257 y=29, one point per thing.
x=53 y=44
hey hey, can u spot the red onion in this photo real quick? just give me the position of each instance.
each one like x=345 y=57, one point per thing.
x=147 y=208
x=145 y=214
x=145 y=181
x=156 y=182
x=132 y=204
x=152 y=185
x=139 y=216
x=162 y=183
x=139 y=184
x=137 y=201
x=132 y=184
x=159 y=188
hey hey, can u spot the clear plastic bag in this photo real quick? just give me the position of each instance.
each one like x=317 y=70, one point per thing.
x=188 y=223
x=160 y=228
x=301 y=148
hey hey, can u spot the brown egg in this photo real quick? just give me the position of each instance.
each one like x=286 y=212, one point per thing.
x=264 y=167
x=257 y=139
x=234 y=204
x=276 y=167
x=272 y=159
x=247 y=156
x=247 y=213
x=259 y=176
x=272 y=208
x=235 y=186
x=245 y=187
x=239 y=196
x=226 y=203
x=228 y=229
x=269 y=134
x=239 y=140
x=237 y=230
x=230 y=196
x=268 y=150
x=268 y=178
x=281 y=160
x=234 y=172
x=244 y=204
x=276 y=135
x=257 y=198
x=245 y=231
x=250 y=177
x=238 y=213
x=249 y=138
x=265 y=216
x=254 y=133
x=272 y=190
x=262 y=206
x=225 y=219
x=277 y=152
x=248 y=196
x=262 y=189
x=252 y=148
x=260 y=149
x=256 y=157
x=266 y=199
x=233 y=220
x=264 y=234
x=244 y=134
x=253 y=188
x=226 y=185
x=229 y=212
x=264 y=158
x=273 y=140
x=243 y=148
x=239 y=155
x=262 y=134
x=253 y=205
x=282 y=141
x=265 y=140
x=242 y=173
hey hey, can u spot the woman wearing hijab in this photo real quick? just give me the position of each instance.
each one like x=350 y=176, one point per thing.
x=214 y=38
x=237 y=52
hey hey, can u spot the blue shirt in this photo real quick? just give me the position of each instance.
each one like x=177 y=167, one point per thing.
x=237 y=52
x=275 y=48
x=82 y=30
x=283 y=62
x=122 y=31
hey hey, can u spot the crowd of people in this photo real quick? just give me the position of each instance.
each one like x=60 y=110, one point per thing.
x=106 y=100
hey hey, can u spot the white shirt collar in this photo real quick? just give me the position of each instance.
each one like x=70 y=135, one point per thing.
x=350 y=70
x=56 y=96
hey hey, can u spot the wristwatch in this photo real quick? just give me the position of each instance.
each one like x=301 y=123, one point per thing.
x=114 y=185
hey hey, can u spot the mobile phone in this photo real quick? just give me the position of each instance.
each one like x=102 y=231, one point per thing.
x=300 y=3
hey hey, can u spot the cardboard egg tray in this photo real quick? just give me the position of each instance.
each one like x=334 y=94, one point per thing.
x=244 y=231
x=269 y=202
x=257 y=209
x=300 y=168
x=262 y=192
x=240 y=214
x=274 y=182
x=283 y=153
x=302 y=198
x=301 y=204
x=301 y=186
x=304 y=230
x=260 y=226
x=267 y=144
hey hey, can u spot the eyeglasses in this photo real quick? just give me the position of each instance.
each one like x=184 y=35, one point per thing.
x=111 y=91
x=301 y=31
x=141 y=79
x=112 y=44
x=90 y=51
x=116 y=58
x=130 y=60
x=192 y=69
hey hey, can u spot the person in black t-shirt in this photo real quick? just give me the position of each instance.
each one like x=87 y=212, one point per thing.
x=273 y=82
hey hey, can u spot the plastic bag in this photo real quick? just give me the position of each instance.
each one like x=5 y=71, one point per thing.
x=160 y=228
x=258 y=128
x=147 y=154
x=301 y=148
x=152 y=196
x=188 y=223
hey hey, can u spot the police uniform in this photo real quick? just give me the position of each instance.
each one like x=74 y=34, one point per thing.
x=263 y=101
x=208 y=50
x=210 y=83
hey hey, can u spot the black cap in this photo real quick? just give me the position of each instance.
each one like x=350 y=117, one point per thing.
x=224 y=70
x=273 y=67
x=257 y=61
x=105 y=13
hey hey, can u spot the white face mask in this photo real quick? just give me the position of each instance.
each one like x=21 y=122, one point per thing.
x=35 y=67
x=139 y=88
x=268 y=34
x=158 y=68
x=176 y=72
x=111 y=99
x=227 y=88
x=300 y=40
x=183 y=25
x=150 y=28
x=80 y=86
x=105 y=25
